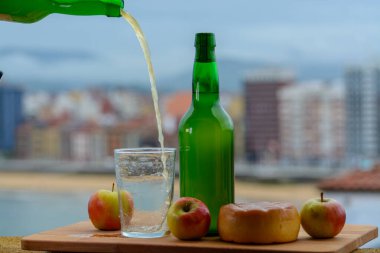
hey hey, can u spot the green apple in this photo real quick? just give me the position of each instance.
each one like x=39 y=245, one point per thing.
x=188 y=219
x=322 y=217
x=103 y=208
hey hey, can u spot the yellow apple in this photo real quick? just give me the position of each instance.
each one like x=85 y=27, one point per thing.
x=103 y=208
x=323 y=217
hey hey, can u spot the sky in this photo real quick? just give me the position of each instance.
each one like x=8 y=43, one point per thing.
x=100 y=50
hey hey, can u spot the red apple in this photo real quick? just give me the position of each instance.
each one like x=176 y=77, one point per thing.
x=323 y=217
x=103 y=209
x=188 y=219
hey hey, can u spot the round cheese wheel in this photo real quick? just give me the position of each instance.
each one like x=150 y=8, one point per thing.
x=261 y=222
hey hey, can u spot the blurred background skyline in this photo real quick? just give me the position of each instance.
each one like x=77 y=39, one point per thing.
x=314 y=38
x=87 y=76
x=284 y=68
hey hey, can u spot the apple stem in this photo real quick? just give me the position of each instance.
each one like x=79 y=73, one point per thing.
x=187 y=206
x=321 y=196
x=113 y=186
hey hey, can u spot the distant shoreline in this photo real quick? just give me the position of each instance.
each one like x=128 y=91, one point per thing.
x=73 y=182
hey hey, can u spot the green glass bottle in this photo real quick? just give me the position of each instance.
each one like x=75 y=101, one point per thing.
x=29 y=11
x=206 y=135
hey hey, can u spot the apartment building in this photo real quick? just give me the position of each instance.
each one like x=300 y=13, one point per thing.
x=261 y=112
x=312 y=123
x=10 y=116
x=363 y=117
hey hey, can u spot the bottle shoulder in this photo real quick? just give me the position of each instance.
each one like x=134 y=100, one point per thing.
x=213 y=116
x=185 y=118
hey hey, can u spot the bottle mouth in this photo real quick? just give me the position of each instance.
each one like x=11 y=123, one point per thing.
x=114 y=7
x=205 y=47
x=205 y=40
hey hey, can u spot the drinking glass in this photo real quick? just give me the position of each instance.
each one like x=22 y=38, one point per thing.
x=145 y=182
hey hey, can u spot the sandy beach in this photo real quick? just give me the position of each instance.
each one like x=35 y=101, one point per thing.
x=71 y=183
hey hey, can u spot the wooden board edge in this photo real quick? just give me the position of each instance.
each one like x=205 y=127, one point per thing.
x=26 y=241
x=371 y=234
x=39 y=242
x=32 y=242
x=35 y=243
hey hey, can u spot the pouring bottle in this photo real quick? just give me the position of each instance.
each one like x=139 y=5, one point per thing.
x=29 y=11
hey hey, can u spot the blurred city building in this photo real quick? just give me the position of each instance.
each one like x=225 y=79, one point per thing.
x=312 y=123
x=84 y=125
x=261 y=112
x=11 y=116
x=363 y=118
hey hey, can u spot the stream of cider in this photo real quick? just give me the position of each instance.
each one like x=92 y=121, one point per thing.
x=144 y=46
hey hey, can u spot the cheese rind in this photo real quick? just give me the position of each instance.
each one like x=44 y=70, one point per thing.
x=261 y=222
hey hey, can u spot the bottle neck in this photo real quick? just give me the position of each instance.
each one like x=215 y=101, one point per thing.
x=110 y=8
x=205 y=77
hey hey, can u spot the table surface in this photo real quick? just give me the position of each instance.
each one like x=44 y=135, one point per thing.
x=12 y=244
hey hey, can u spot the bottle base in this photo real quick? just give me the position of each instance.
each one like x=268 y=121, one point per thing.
x=212 y=234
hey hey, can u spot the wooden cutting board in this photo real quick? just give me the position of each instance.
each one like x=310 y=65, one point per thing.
x=82 y=237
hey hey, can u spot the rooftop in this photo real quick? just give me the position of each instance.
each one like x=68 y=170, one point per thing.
x=269 y=75
x=354 y=180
